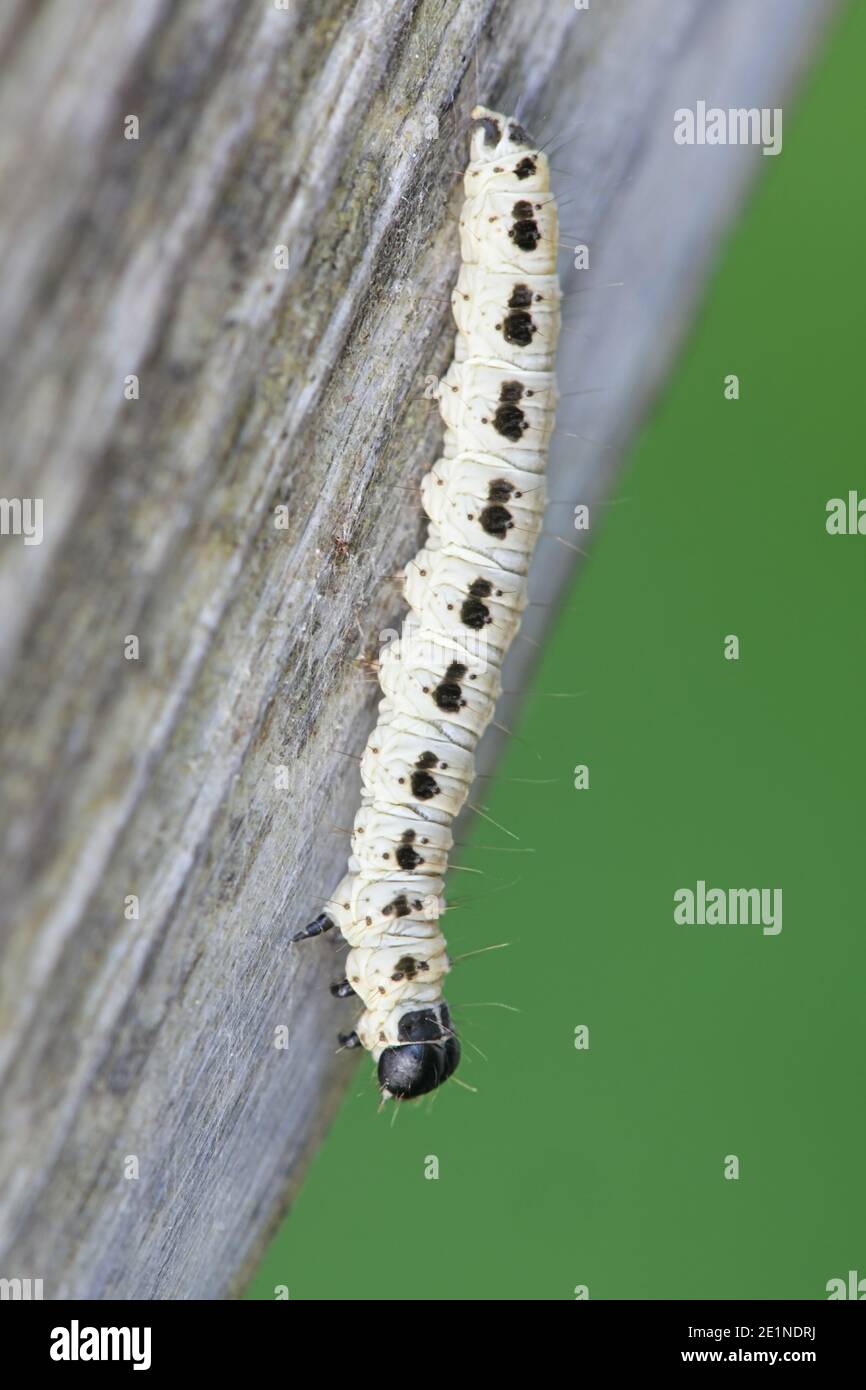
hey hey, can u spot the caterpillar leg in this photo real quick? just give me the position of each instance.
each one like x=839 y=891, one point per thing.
x=319 y=924
x=349 y=1040
x=427 y=1054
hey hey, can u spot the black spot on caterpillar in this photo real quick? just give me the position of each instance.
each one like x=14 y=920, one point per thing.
x=509 y=420
x=518 y=328
x=406 y=856
x=524 y=230
x=407 y=968
x=424 y=787
x=399 y=907
x=496 y=521
x=525 y=168
x=521 y=297
x=511 y=391
x=473 y=613
x=448 y=694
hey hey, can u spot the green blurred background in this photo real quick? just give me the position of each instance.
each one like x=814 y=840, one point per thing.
x=604 y=1167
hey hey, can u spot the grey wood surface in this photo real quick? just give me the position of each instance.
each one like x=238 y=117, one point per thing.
x=336 y=129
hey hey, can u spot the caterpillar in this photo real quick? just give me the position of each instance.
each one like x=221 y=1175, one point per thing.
x=466 y=591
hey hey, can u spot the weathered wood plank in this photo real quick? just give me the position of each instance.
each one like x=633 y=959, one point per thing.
x=338 y=130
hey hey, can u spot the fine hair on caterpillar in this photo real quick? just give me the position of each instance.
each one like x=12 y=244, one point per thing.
x=466 y=590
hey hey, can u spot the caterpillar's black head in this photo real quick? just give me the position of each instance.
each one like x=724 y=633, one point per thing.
x=428 y=1053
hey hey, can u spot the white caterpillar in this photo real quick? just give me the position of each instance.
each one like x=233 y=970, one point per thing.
x=466 y=592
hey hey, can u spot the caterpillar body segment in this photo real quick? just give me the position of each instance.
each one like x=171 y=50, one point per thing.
x=486 y=506
x=466 y=591
x=441 y=683
x=490 y=406
x=410 y=766
x=510 y=319
x=462 y=595
x=508 y=234
x=385 y=837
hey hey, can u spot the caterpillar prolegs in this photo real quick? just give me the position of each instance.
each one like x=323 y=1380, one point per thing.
x=466 y=591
